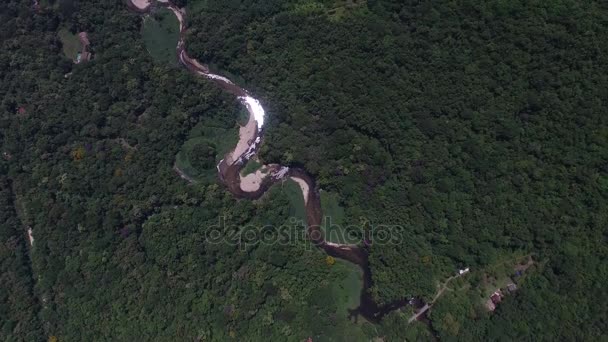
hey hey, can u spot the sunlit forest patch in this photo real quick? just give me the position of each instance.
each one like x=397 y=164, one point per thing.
x=308 y=7
x=334 y=9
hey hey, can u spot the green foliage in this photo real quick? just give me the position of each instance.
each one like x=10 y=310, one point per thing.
x=348 y=288
x=209 y=141
x=334 y=226
x=469 y=130
x=118 y=234
x=18 y=306
x=251 y=167
x=395 y=327
x=160 y=33
x=202 y=155
x=296 y=199
x=451 y=313
x=70 y=43
x=308 y=7
x=197 y=159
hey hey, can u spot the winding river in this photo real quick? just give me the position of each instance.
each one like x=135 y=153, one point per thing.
x=250 y=139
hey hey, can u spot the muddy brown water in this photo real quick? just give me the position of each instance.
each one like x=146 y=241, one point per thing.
x=229 y=175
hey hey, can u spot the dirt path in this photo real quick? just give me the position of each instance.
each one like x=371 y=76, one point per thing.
x=439 y=293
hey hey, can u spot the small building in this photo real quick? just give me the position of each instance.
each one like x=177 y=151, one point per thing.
x=511 y=287
x=84 y=38
x=463 y=271
x=496 y=297
x=85 y=54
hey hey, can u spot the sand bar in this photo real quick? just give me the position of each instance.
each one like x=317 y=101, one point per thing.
x=141 y=4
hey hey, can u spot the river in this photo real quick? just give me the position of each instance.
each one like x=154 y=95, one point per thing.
x=249 y=142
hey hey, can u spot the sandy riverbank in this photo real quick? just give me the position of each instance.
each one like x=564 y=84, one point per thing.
x=246 y=135
x=179 y=13
x=141 y=4
x=304 y=186
x=30 y=235
x=252 y=181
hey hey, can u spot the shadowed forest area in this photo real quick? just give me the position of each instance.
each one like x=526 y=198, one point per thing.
x=470 y=131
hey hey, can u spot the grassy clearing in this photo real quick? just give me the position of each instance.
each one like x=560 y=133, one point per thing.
x=294 y=193
x=348 y=289
x=161 y=33
x=333 y=217
x=71 y=43
x=333 y=222
x=251 y=167
x=221 y=140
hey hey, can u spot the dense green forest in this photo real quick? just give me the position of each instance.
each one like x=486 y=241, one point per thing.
x=121 y=249
x=479 y=128
x=475 y=131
